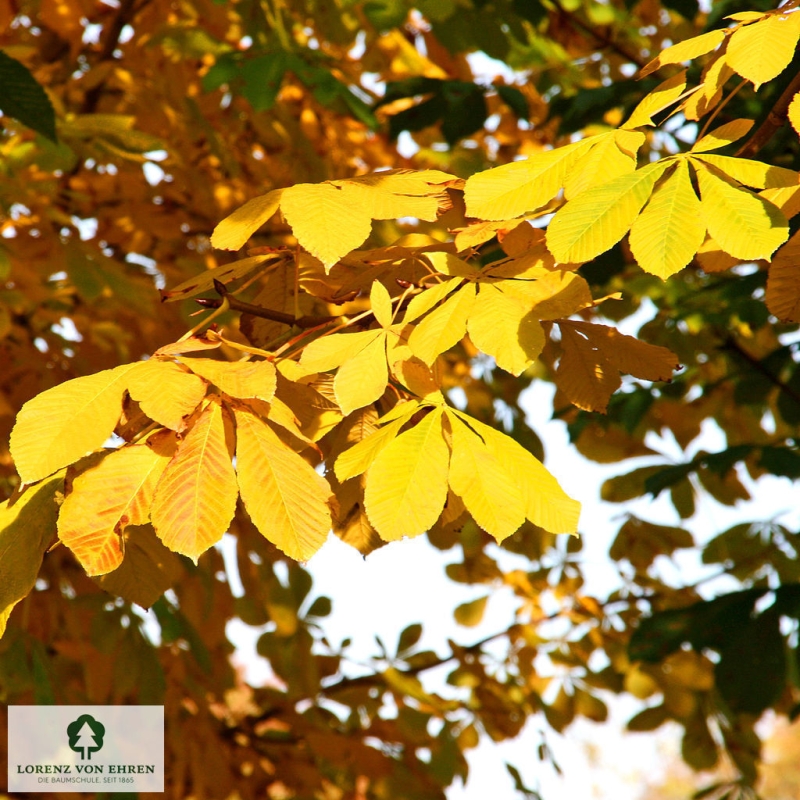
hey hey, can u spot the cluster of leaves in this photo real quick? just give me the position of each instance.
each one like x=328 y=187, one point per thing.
x=362 y=304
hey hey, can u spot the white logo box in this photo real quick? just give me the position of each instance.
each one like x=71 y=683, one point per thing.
x=86 y=748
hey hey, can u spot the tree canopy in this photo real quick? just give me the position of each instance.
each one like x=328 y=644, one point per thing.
x=283 y=267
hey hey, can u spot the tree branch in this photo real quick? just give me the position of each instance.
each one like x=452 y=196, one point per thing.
x=775 y=120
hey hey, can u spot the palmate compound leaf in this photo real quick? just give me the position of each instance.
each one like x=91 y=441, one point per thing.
x=241 y=379
x=666 y=235
x=596 y=220
x=761 y=51
x=742 y=223
x=26 y=530
x=333 y=218
x=106 y=498
x=487 y=489
x=546 y=503
x=195 y=498
x=166 y=392
x=505 y=327
x=407 y=482
x=613 y=155
x=65 y=423
x=287 y=500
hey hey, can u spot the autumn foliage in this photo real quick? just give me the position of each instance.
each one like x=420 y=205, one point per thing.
x=367 y=325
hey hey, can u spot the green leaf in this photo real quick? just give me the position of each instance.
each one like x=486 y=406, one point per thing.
x=515 y=100
x=24 y=99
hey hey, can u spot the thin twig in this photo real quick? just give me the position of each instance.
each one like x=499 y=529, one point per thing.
x=774 y=121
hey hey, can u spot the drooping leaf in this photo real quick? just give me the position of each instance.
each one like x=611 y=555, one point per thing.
x=506 y=329
x=285 y=497
x=106 y=498
x=195 y=498
x=65 y=423
x=489 y=493
x=686 y=50
x=444 y=326
x=166 y=392
x=407 y=482
x=27 y=529
x=585 y=374
x=761 y=51
x=236 y=229
x=666 y=235
x=742 y=223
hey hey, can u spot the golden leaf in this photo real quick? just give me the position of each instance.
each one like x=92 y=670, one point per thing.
x=362 y=379
x=67 y=422
x=196 y=496
x=684 y=51
x=287 y=500
x=241 y=379
x=237 y=228
x=761 y=51
x=783 y=282
x=167 y=392
x=444 y=326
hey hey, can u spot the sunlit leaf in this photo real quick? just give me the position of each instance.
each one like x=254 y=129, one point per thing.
x=236 y=229
x=761 y=51
x=166 y=392
x=242 y=379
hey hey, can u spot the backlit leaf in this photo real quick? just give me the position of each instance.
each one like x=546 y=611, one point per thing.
x=227 y=273
x=666 y=235
x=724 y=135
x=107 y=498
x=444 y=326
x=65 y=423
x=584 y=374
x=329 y=352
x=604 y=162
x=793 y=113
x=751 y=173
x=287 y=500
x=381 y=304
x=514 y=189
x=196 y=496
x=761 y=51
x=685 y=51
x=407 y=482
x=546 y=503
x=661 y=98
x=597 y=219
x=241 y=379
x=237 y=228
x=167 y=392
x=743 y=224
x=359 y=457
x=506 y=329
x=471 y=614
x=422 y=303
x=483 y=483
x=362 y=379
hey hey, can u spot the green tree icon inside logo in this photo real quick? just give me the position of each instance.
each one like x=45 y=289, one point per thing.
x=86 y=735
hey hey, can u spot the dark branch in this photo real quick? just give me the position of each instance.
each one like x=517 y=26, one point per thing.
x=774 y=121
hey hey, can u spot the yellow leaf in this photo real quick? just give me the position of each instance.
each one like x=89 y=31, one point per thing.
x=556 y=293
x=786 y=198
x=407 y=483
x=359 y=457
x=26 y=530
x=107 y=498
x=584 y=374
x=761 y=51
x=470 y=614
x=488 y=491
x=167 y=392
x=424 y=302
x=506 y=329
x=225 y=274
x=381 y=304
x=444 y=326
x=514 y=189
x=449 y=264
x=793 y=113
x=597 y=219
x=362 y=379
x=724 y=135
x=628 y=354
x=604 y=162
x=329 y=352
x=685 y=51
x=240 y=379
x=67 y=422
x=715 y=75
x=751 y=173
x=286 y=498
x=742 y=223
x=663 y=96
x=783 y=282
x=237 y=228
x=712 y=259
x=546 y=503
x=667 y=234
x=196 y=496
